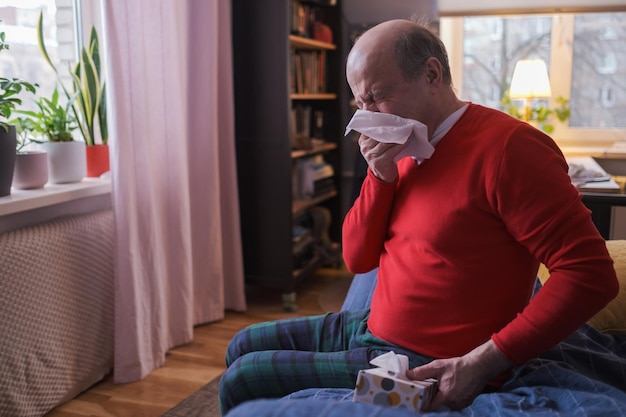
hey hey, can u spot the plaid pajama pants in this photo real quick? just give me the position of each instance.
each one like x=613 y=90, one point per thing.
x=276 y=358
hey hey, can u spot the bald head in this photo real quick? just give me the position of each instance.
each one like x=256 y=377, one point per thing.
x=401 y=42
x=386 y=32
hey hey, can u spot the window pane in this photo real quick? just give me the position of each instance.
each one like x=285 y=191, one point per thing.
x=599 y=71
x=18 y=19
x=492 y=46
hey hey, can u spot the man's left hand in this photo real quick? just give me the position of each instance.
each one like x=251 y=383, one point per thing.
x=461 y=379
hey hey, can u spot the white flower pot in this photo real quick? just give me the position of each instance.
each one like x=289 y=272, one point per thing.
x=67 y=161
x=31 y=170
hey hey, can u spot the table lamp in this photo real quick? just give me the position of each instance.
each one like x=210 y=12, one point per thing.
x=530 y=81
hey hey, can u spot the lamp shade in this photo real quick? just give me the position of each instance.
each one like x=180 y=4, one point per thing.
x=530 y=80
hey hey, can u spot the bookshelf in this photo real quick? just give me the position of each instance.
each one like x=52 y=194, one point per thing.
x=288 y=127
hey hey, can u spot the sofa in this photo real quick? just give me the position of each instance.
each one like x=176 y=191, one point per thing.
x=583 y=375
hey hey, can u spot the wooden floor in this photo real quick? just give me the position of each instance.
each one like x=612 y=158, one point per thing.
x=189 y=367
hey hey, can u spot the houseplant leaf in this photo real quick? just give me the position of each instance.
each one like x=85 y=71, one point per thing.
x=86 y=86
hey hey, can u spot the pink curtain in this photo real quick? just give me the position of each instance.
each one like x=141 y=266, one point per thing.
x=179 y=260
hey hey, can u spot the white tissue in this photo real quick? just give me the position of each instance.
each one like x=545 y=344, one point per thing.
x=390 y=361
x=389 y=128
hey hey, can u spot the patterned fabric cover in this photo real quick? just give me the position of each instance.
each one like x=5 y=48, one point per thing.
x=56 y=311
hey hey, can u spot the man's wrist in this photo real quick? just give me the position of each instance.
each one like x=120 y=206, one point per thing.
x=490 y=359
x=386 y=178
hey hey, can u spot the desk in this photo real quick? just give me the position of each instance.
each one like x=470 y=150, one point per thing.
x=601 y=206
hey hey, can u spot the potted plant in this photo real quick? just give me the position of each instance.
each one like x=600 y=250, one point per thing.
x=31 y=165
x=55 y=121
x=89 y=106
x=541 y=116
x=10 y=88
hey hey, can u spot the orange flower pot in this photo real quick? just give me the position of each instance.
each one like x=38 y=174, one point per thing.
x=97 y=160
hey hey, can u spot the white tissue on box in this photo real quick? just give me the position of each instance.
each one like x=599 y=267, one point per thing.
x=389 y=128
x=393 y=362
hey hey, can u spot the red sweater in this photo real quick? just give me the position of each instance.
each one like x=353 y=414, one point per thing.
x=458 y=241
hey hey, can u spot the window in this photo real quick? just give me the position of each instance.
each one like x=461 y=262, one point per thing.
x=585 y=54
x=18 y=19
x=598 y=71
x=23 y=59
x=490 y=59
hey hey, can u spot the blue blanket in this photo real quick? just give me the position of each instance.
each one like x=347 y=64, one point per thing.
x=585 y=375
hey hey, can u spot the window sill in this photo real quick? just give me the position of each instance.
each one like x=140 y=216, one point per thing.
x=605 y=152
x=52 y=194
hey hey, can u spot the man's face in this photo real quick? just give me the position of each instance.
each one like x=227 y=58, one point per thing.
x=378 y=85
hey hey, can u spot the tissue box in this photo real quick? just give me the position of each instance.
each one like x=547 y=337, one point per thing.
x=383 y=387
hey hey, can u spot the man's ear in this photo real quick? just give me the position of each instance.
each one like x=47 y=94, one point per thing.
x=433 y=69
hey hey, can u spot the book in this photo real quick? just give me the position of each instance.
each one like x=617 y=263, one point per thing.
x=587 y=175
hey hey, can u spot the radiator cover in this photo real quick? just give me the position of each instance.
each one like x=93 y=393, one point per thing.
x=56 y=311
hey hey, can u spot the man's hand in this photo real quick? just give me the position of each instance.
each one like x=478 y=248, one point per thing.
x=462 y=379
x=379 y=157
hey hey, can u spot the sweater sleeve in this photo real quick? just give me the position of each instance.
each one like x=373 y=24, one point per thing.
x=544 y=212
x=366 y=223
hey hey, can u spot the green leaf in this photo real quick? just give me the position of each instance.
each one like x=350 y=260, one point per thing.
x=53 y=119
x=87 y=88
x=42 y=44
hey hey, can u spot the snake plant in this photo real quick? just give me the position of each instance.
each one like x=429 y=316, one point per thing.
x=87 y=90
